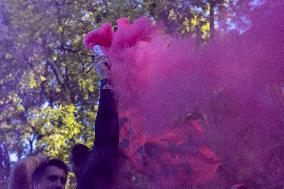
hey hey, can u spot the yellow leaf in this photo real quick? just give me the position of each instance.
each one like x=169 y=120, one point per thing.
x=20 y=107
x=42 y=78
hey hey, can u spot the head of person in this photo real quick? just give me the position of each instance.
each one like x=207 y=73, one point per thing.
x=78 y=158
x=51 y=174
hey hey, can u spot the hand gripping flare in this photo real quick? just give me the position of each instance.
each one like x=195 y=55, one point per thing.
x=102 y=66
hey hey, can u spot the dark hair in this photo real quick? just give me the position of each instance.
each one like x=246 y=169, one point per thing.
x=39 y=172
x=79 y=154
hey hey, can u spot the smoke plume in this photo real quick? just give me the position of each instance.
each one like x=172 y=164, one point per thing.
x=209 y=116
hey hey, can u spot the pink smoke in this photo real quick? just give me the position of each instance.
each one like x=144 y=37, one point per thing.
x=233 y=86
x=101 y=36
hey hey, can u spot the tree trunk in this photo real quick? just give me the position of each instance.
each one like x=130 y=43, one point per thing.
x=7 y=162
x=4 y=162
x=212 y=4
x=1 y=162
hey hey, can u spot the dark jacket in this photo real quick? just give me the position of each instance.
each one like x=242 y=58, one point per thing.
x=98 y=170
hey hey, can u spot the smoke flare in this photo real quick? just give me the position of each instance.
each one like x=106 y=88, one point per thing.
x=233 y=88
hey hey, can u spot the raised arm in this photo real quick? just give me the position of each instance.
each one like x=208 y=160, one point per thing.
x=106 y=126
x=99 y=167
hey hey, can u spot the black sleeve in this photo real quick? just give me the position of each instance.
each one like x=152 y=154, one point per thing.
x=98 y=169
x=106 y=125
